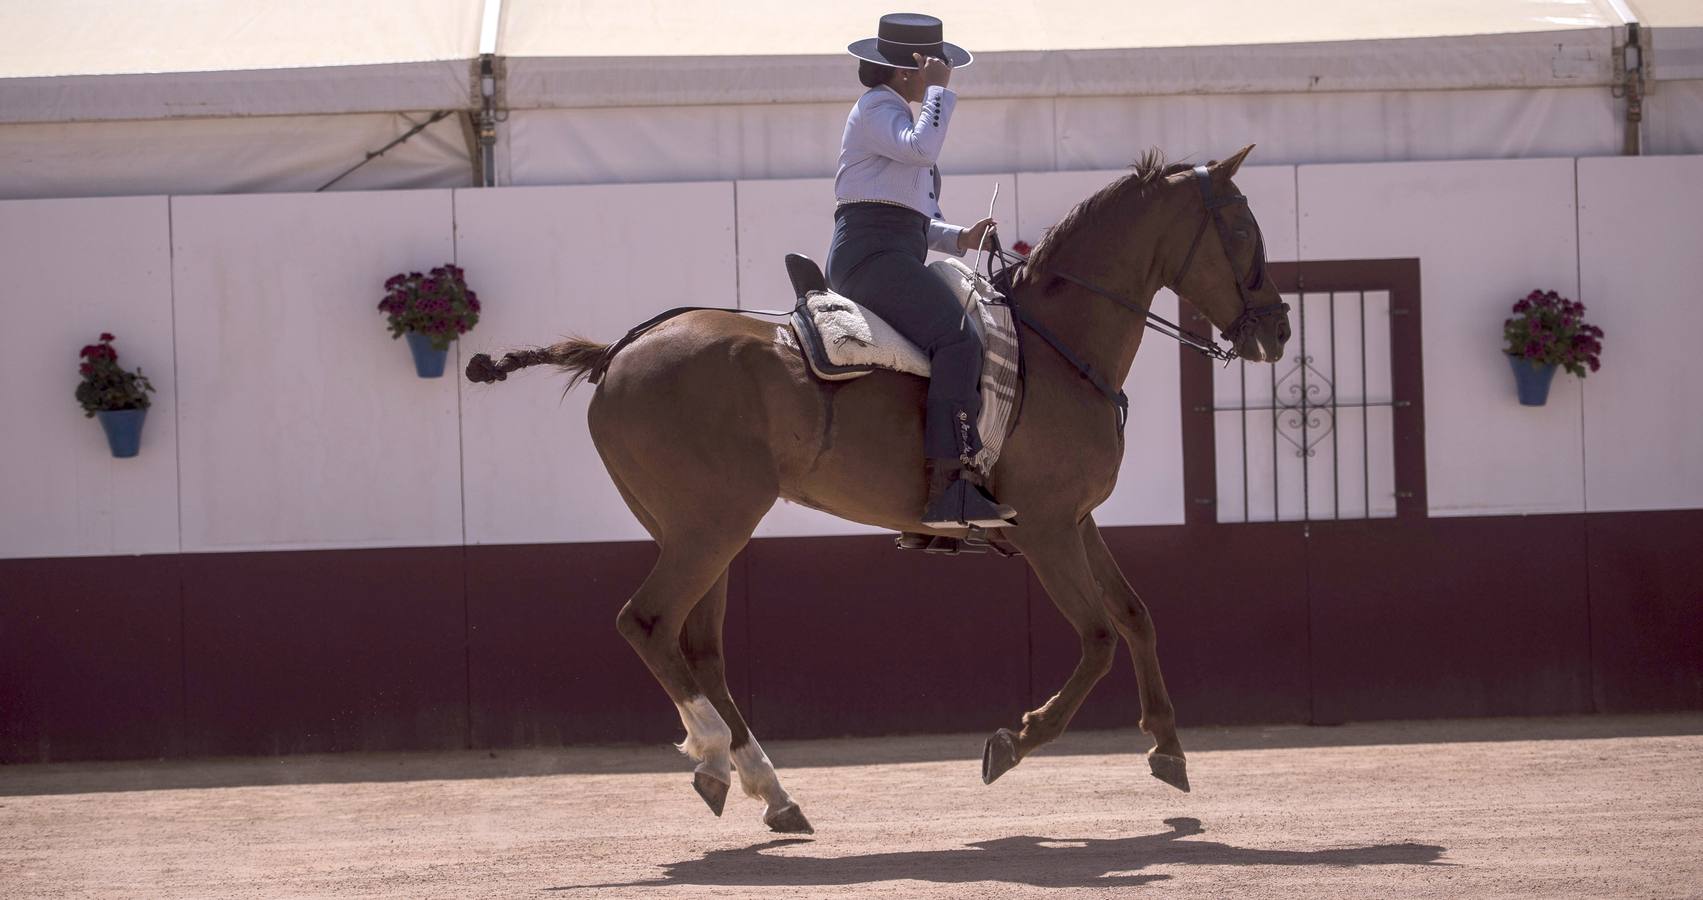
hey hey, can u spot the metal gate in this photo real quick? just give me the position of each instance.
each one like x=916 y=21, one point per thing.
x=1332 y=431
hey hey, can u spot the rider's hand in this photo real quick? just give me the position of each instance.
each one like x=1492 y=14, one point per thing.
x=971 y=238
x=933 y=71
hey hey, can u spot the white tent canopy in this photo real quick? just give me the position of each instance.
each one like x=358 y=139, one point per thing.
x=192 y=96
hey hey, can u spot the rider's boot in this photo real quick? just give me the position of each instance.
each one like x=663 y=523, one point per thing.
x=954 y=501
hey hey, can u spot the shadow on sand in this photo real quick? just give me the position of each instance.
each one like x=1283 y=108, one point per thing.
x=1034 y=861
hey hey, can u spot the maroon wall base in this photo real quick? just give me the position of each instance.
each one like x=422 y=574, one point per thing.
x=264 y=653
x=324 y=652
x=91 y=658
x=1646 y=577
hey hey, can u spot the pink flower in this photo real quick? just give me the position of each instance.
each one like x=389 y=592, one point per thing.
x=106 y=337
x=1021 y=248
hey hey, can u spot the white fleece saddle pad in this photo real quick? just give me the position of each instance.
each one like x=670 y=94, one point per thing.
x=843 y=340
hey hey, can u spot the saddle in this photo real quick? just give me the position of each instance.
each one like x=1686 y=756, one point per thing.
x=843 y=340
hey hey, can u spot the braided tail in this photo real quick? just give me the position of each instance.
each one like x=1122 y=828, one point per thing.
x=583 y=360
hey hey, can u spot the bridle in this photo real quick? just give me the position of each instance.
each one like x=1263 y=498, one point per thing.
x=1250 y=314
x=1249 y=317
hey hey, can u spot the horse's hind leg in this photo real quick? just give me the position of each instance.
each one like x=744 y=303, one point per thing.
x=701 y=641
x=1061 y=563
x=690 y=666
x=1130 y=616
x=653 y=621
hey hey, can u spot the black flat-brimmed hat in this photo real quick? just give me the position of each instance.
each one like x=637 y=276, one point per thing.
x=902 y=34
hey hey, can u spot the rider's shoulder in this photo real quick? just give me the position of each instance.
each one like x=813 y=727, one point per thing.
x=881 y=95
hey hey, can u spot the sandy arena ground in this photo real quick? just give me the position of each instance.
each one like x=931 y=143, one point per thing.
x=1579 y=807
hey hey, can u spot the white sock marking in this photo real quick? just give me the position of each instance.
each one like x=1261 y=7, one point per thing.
x=757 y=776
x=707 y=737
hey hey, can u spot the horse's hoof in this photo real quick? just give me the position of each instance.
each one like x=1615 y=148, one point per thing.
x=1173 y=770
x=712 y=789
x=789 y=819
x=999 y=756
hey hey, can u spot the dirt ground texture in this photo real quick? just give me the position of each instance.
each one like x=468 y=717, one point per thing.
x=1573 y=807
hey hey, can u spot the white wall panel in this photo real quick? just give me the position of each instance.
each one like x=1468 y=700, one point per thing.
x=302 y=423
x=591 y=261
x=776 y=218
x=1486 y=233
x=1640 y=269
x=73 y=269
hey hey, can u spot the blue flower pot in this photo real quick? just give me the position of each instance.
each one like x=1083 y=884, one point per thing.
x=123 y=429
x=428 y=363
x=1532 y=379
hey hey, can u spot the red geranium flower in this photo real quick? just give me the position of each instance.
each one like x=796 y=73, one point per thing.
x=1548 y=329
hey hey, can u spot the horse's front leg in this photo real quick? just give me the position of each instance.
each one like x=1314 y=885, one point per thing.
x=1130 y=616
x=1061 y=562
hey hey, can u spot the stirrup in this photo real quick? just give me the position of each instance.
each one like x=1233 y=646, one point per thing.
x=976 y=541
x=963 y=503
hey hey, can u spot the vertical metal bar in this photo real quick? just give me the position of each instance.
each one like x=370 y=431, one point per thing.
x=1276 y=506
x=1306 y=481
x=1335 y=423
x=1242 y=420
x=1365 y=417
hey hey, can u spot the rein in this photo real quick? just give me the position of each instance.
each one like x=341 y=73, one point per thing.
x=1248 y=318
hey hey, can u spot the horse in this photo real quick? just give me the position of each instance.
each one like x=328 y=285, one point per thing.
x=709 y=416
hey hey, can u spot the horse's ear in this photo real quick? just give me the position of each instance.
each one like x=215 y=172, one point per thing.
x=1227 y=169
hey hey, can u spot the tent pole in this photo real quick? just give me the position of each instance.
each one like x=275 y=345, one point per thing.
x=1630 y=60
x=488 y=120
x=490 y=29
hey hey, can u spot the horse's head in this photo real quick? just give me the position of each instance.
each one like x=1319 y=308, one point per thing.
x=1222 y=273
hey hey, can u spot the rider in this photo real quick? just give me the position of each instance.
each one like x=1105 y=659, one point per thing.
x=887 y=219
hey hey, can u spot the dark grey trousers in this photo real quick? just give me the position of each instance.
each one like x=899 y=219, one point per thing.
x=877 y=258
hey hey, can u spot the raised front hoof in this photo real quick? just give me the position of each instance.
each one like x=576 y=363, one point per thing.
x=789 y=819
x=712 y=789
x=1173 y=770
x=999 y=756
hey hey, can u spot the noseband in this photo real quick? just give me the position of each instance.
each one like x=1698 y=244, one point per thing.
x=1255 y=279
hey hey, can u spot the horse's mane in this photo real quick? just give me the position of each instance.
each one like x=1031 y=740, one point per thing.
x=1149 y=170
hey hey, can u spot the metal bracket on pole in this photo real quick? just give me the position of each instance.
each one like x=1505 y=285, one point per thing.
x=488 y=72
x=1632 y=82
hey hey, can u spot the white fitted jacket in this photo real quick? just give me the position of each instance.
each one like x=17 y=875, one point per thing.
x=890 y=156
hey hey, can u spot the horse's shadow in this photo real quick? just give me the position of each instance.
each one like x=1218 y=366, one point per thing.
x=1034 y=861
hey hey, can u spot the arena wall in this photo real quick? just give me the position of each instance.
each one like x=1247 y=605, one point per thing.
x=317 y=550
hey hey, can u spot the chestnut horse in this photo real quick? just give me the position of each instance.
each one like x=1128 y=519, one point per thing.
x=710 y=416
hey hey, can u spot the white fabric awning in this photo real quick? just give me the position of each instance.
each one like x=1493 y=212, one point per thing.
x=90 y=60
x=84 y=60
